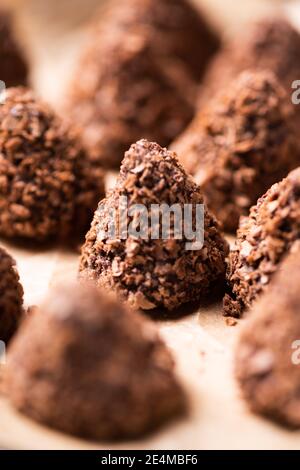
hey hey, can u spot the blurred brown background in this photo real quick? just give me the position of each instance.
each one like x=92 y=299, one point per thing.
x=52 y=32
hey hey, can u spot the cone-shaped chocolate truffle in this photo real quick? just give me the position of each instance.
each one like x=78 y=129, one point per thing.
x=11 y=297
x=47 y=185
x=155 y=268
x=135 y=77
x=244 y=142
x=263 y=239
x=13 y=67
x=175 y=29
x=268 y=352
x=270 y=43
x=87 y=366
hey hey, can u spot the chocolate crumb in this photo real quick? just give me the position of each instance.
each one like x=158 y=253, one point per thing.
x=272 y=230
x=48 y=186
x=230 y=321
x=32 y=309
x=266 y=356
x=153 y=272
x=86 y=365
x=244 y=142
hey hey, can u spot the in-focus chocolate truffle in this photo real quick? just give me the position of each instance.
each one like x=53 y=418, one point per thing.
x=267 y=357
x=13 y=66
x=244 y=142
x=85 y=365
x=11 y=297
x=47 y=184
x=136 y=75
x=157 y=267
x=270 y=44
x=263 y=239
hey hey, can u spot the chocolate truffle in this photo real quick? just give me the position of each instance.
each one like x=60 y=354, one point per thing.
x=154 y=268
x=267 y=357
x=244 y=142
x=13 y=66
x=87 y=366
x=136 y=76
x=263 y=239
x=176 y=30
x=47 y=184
x=11 y=297
x=270 y=43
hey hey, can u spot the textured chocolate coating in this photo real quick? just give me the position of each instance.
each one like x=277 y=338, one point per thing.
x=11 y=297
x=263 y=239
x=13 y=66
x=151 y=272
x=266 y=357
x=47 y=184
x=244 y=142
x=136 y=76
x=87 y=366
x=268 y=44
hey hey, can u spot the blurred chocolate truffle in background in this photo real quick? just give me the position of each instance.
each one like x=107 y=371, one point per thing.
x=11 y=297
x=48 y=187
x=13 y=66
x=151 y=269
x=241 y=144
x=138 y=75
x=268 y=351
x=88 y=366
x=270 y=44
x=129 y=98
x=176 y=30
x=263 y=239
